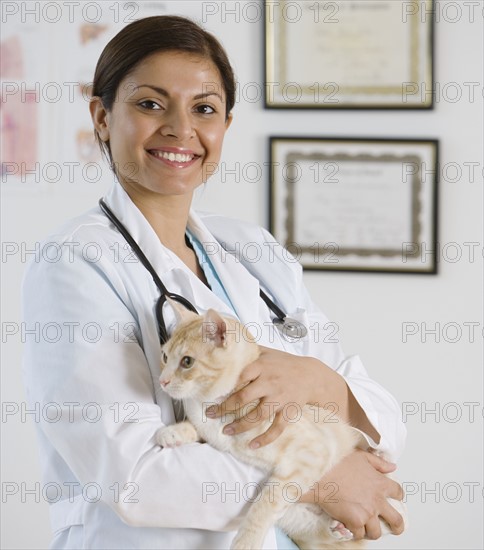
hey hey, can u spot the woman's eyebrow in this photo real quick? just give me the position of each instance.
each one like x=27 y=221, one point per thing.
x=164 y=93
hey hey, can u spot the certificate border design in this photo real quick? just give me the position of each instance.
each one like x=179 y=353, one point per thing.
x=416 y=187
x=289 y=221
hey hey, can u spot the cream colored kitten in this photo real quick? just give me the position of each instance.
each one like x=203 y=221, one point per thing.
x=201 y=364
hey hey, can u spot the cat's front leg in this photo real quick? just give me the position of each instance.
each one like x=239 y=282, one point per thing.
x=177 y=434
x=263 y=513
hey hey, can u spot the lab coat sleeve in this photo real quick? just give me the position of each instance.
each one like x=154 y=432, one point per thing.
x=85 y=367
x=380 y=406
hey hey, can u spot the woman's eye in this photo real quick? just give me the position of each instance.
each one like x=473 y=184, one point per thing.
x=149 y=105
x=187 y=362
x=205 y=109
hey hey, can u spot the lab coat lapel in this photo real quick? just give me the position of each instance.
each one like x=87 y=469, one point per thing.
x=241 y=287
x=172 y=271
x=141 y=231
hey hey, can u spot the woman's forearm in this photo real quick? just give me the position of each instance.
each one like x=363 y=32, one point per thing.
x=331 y=390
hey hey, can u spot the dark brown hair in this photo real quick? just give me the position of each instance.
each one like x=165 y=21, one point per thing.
x=154 y=34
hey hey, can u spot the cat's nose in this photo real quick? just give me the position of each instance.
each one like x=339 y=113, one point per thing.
x=164 y=382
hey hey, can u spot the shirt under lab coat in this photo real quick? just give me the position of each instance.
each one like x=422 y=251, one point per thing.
x=93 y=370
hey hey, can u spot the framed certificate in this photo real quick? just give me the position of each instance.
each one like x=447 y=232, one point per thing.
x=349 y=54
x=356 y=204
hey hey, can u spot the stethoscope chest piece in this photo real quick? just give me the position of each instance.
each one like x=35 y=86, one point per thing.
x=290 y=328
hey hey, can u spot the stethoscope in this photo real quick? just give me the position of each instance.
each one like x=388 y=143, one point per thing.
x=290 y=328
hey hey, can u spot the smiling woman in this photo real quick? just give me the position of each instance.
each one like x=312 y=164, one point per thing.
x=162 y=101
x=172 y=127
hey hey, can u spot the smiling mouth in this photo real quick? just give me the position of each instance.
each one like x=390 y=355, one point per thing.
x=176 y=158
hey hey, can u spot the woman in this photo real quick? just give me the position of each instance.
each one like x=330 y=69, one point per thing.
x=163 y=93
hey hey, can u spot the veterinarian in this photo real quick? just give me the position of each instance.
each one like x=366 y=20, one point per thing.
x=162 y=128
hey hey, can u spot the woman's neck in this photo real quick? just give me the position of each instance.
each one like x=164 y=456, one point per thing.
x=167 y=215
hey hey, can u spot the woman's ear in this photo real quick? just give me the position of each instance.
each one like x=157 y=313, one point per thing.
x=228 y=121
x=99 y=117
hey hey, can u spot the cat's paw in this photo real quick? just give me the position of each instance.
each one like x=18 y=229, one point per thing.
x=170 y=436
x=339 y=531
x=177 y=434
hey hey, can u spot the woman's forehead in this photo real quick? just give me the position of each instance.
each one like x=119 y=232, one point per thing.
x=175 y=69
x=176 y=61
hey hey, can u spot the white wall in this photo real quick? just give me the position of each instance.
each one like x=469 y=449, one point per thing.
x=444 y=450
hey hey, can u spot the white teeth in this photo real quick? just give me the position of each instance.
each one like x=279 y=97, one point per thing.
x=173 y=157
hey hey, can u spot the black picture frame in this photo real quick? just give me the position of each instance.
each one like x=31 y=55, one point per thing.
x=326 y=199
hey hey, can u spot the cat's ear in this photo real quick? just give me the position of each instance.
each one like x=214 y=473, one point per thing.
x=181 y=312
x=214 y=329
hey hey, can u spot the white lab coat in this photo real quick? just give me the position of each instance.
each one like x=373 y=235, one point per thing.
x=92 y=369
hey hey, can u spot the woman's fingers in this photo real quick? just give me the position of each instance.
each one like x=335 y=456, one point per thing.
x=233 y=404
x=380 y=464
x=373 y=528
x=395 y=490
x=247 y=422
x=275 y=430
x=358 y=531
x=393 y=518
x=237 y=400
x=257 y=415
x=264 y=410
x=263 y=390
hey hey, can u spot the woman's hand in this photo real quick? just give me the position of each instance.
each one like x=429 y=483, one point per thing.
x=355 y=492
x=283 y=384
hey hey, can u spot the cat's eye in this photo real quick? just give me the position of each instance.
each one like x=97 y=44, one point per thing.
x=164 y=358
x=187 y=362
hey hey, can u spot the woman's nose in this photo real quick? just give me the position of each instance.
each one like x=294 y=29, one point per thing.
x=178 y=124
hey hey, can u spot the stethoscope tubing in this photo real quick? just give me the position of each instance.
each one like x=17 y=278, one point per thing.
x=164 y=292
x=285 y=324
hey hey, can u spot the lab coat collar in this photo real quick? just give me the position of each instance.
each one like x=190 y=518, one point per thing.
x=141 y=231
x=170 y=269
x=241 y=287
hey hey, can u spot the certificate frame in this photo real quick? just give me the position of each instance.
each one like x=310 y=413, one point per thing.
x=355 y=204
x=313 y=55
